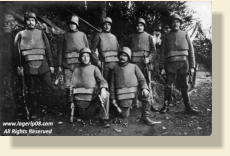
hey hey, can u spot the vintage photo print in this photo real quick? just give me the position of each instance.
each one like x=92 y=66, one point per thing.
x=100 y=68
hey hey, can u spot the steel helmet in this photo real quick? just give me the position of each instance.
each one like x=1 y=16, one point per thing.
x=74 y=19
x=30 y=14
x=127 y=51
x=176 y=16
x=107 y=20
x=84 y=50
x=141 y=20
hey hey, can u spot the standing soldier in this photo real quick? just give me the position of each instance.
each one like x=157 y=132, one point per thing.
x=142 y=46
x=87 y=83
x=36 y=63
x=177 y=59
x=126 y=77
x=107 y=46
x=72 y=42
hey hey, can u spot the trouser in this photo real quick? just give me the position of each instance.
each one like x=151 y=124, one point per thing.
x=108 y=67
x=88 y=109
x=177 y=73
x=39 y=89
x=125 y=105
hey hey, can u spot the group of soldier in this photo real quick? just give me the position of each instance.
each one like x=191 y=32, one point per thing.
x=103 y=73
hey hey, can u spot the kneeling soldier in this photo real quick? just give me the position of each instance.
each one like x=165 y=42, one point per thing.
x=126 y=77
x=87 y=82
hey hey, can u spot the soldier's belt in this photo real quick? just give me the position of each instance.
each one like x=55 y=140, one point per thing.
x=177 y=53
x=83 y=90
x=83 y=97
x=126 y=96
x=33 y=52
x=71 y=54
x=177 y=58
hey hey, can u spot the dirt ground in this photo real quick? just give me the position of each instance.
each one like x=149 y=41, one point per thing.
x=173 y=123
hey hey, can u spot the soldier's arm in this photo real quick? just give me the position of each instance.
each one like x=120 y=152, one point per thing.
x=48 y=50
x=140 y=77
x=153 y=51
x=95 y=42
x=112 y=85
x=100 y=79
x=15 y=48
x=162 y=54
x=61 y=50
x=191 y=53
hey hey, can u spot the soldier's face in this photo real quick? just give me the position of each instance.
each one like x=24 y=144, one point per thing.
x=176 y=24
x=123 y=58
x=85 y=58
x=107 y=27
x=140 y=27
x=72 y=26
x=31 y=23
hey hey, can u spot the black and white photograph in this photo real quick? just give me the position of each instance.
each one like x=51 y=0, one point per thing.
x=106 y=68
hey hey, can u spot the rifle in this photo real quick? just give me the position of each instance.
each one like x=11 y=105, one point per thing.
x=148 y=79
x=23 y=84
x=103 y=106
x=72 y=106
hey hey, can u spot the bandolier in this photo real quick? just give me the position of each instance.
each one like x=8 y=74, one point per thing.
x=107 y=45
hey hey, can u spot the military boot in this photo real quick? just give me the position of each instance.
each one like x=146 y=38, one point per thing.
x=187 y=103
x=145 y=114
x=168 y=94
x=165 y=108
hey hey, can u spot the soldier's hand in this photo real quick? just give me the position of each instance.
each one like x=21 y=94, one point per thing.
x=114 y=102
x=145 y=92
x=20 y=71
x=103 y=94
x=192 y=70
x=60 y=69
x=146 y=60
x=52 y=70
x=163 y=72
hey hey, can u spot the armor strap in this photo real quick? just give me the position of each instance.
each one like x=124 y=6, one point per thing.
x=177 y=58
x=177 y=53
x=126 y=93
x=83 y=94
x=71 y=54
x=33 y=52
x=34 y=57
x=137 y=56
x=110 y=55
x=83 y=90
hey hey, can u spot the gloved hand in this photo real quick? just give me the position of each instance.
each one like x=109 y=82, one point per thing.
x=192 y=70
x=163 y=72
x=20 y=71
x=145 y=93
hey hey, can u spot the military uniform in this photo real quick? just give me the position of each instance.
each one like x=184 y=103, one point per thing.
x=126 y=79
x=37 y=58
x=87 y=81
x=141 y=44
x=177 y=57
x=72 y=42
x=107 y=45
